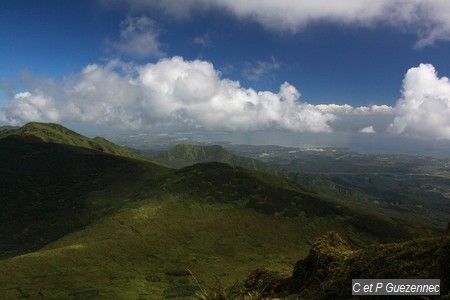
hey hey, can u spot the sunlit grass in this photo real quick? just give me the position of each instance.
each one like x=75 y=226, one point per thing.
x=132 y=253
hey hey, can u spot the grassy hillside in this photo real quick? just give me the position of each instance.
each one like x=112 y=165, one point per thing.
x=130 y=229
x=50 y=189
x=55 y=133
x=143 y=252
x=184 y=155
x=270 y=194
x=327 y=271
x=146 y=251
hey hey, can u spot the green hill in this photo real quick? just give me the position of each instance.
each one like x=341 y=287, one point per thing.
x=327 y=271
x=184 y=155
x=55 y=133
x=274 y=195
x=121 y=228
x=146 y=249
x=50 y=189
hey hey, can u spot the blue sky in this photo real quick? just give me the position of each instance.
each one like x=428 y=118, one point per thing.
x=327 y=62
x=354 y=67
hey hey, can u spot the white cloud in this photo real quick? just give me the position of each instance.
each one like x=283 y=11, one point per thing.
x=255 y=71
x=346 y=109
x=171 y=90
x=138 y=37
x=26 y=106
x=429 y=19
x=194 y=91
x=193 y=94
x=368 y=129
x=424 y=109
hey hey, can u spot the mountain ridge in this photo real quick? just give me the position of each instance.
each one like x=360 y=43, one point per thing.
x=42 y=184
x=55 y=133
x=67 y=210
x=184 y=155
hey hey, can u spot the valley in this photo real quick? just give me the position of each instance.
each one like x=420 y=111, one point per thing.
x=82 y=222
x=414 y=187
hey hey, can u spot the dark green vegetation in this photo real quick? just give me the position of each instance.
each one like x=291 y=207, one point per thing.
x=50 y=189
x=327 y=271
x=184 y=155
x=402 y=186
x=55 y=133
x=270 y=194
x=407 y=196
x=116 y=227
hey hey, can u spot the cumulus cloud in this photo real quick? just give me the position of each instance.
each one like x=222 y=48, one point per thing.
x=258 y=69
x=424 y=109
x=139 y=37
x=26 y=106
x=368 y=129
x=171 y=90
x=194 y=94
x=430 y=19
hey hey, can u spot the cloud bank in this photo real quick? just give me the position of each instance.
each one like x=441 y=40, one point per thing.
x=172 y=90
x=176 y=91
x=429 y=19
